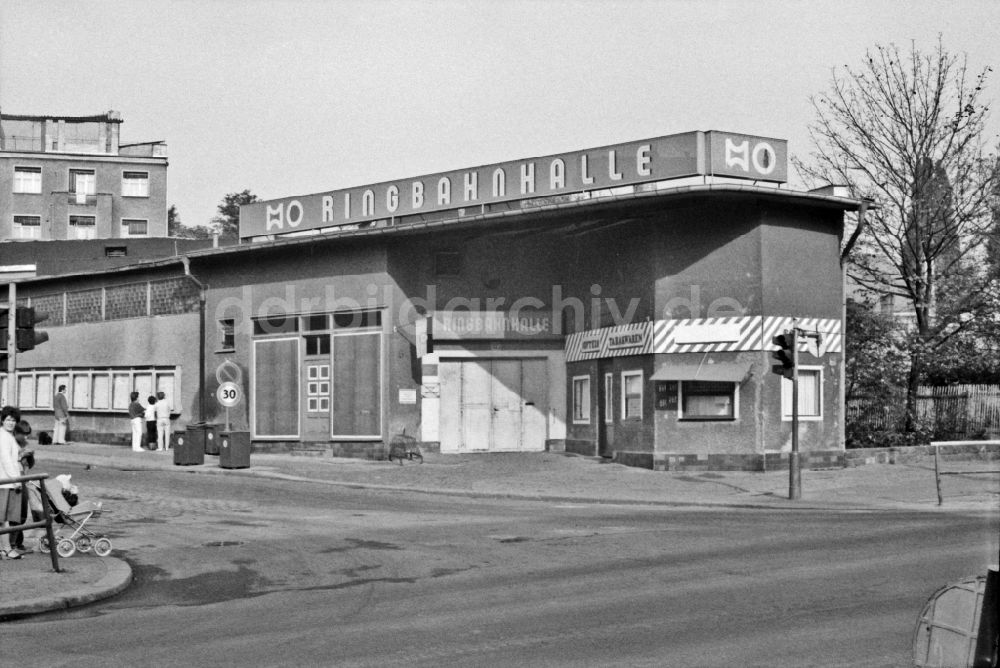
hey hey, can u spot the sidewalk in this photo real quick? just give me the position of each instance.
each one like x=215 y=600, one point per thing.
x=29 y=586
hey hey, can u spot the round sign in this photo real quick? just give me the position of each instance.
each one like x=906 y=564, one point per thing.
x=228 y=394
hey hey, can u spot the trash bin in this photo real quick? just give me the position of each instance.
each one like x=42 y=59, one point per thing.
x=204 y=436
x=234 y=449
x=187 y=451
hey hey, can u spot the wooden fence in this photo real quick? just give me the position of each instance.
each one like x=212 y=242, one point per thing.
x=952 y=412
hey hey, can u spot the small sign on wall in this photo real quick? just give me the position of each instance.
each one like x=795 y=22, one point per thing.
x=665 y=394
x=407 y=396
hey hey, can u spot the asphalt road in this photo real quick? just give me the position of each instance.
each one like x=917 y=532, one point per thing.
x=240 y=571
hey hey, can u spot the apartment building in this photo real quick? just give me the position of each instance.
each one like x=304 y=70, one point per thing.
x=71 y=177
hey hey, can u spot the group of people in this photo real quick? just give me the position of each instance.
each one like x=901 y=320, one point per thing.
x=150 y=422
x=16 y=459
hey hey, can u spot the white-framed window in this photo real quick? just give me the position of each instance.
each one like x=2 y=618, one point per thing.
x=708 y=400
x=810 y=394
x=581 y=399
x=135 y=184
x=28 y=180
x=631 y=395
x=43 y=390
x=83 y=227
x=98 y=390
x=83 y=181
x=134 y=227
x=27 y=227
x=609 y=402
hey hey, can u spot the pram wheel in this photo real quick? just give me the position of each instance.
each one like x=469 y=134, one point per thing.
x=43 y=545
x=65 y=548
x=83 y=544
x=102 y=547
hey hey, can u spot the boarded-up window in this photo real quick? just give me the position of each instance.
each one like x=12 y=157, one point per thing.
x=357 y=390
x=276 y=388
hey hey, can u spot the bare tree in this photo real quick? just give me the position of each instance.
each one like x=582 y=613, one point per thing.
x=907 y=129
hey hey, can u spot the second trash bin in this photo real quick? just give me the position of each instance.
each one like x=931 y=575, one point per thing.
x=234 y=449
x=205 y=436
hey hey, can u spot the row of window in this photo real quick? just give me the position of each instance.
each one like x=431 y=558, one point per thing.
x=93 y=389
x=313 y=324
x=696 y=400
x=82 y=182
x=81 y=227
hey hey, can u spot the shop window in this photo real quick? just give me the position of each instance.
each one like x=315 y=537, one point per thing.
x=134 y=227
x=28 y=180
x=275 y=324
x=227 y=334
x=581 y=399
x=609 y=403
x=706 y=400
x=632 y=395
x=447 y=263
x=135 y=184
x=810 y=395
x=27 y=227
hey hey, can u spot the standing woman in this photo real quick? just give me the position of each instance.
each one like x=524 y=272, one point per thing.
x=10 y=467
x=137 y=416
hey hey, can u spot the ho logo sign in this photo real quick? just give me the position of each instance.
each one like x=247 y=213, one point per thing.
x=761 y=156
x=284 y=214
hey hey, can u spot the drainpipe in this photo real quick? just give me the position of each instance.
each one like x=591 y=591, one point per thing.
x=201 y=335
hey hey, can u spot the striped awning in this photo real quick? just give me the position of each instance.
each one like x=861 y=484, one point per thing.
x=725 y=372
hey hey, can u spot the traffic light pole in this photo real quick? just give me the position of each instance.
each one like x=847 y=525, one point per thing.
x=794 y=465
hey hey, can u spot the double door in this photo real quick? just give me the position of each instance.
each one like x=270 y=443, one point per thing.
x=493 y=405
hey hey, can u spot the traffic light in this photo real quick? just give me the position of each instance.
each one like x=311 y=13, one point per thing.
x=785 y=354
x=27 y=337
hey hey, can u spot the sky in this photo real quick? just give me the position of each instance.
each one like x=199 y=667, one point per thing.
x=288 y=98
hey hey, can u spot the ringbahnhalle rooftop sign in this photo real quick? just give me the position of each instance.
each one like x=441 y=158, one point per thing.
x=711 y=153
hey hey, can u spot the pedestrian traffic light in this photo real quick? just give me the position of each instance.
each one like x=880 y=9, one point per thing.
x=785 y=354
x=27 y=336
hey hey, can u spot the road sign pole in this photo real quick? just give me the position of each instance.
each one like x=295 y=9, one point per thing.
x=794 y=465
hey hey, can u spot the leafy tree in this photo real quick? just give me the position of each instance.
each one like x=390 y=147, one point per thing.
x=177 y=229
x=227 y=222
x=906 y=129
x=875 y=360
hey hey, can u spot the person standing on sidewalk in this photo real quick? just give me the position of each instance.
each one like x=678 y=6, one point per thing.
x=151 y=422
x=10 y=467
x=137 y=414
x=60 y=409
x=162 y=422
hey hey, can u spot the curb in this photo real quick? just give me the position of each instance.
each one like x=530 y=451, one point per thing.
x=117 y=577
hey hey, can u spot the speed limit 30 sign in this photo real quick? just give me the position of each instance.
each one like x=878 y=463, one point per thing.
x=228 y=394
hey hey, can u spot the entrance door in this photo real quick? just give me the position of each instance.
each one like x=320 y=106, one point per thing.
x=316 y=390
x=605 y=409
x=495 y=405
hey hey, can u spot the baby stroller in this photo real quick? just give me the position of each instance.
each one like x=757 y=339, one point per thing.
x=74 y=534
